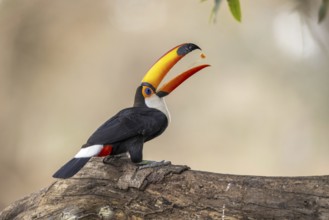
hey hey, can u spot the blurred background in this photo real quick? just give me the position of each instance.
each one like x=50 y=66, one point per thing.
x=262 y=108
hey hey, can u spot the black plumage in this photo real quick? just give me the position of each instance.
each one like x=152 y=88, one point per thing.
x=128 y=123
x=131 y=126
x=71 y=167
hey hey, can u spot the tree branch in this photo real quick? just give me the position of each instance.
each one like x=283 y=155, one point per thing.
x=121 y=191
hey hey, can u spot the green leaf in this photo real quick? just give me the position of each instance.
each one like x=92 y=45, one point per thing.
x=323 y=10
x=235 y=8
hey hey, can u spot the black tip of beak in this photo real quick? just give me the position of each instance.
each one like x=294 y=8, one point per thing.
x=186 y=48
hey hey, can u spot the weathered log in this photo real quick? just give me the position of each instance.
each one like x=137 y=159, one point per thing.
x=121 y=191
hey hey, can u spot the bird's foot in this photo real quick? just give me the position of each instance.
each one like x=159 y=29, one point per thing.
x=111 y=158
x=150 y=164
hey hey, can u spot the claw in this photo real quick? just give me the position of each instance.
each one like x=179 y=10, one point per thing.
x=150 y=164
x=111 y=158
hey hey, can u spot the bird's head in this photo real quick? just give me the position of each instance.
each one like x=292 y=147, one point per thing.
x=148 y=94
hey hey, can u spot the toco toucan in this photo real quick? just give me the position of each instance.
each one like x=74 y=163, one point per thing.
x=131 y=127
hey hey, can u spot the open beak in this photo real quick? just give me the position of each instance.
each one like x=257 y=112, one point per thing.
x=160 y=69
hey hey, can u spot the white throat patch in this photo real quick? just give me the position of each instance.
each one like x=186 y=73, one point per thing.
x=156 y=102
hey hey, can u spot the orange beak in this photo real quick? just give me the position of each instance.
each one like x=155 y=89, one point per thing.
x=161 y=68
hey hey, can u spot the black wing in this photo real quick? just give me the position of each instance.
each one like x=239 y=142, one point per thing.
x=128 y=123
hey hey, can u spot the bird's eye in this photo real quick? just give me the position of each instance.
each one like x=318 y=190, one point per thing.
x=148 y=91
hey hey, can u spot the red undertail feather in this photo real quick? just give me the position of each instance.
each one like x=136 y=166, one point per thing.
x=107 y=150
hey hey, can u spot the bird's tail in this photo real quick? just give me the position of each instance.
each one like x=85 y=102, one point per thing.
x=80 y=159
x=71 y=167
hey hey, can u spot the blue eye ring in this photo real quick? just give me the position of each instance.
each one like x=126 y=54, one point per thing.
x=148 y=91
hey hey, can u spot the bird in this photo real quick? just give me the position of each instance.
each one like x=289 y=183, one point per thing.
x=128 y=130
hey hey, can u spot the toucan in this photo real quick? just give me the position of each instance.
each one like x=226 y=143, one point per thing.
x=130 y=128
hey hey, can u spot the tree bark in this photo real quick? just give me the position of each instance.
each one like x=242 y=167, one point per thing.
x=121 y=191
